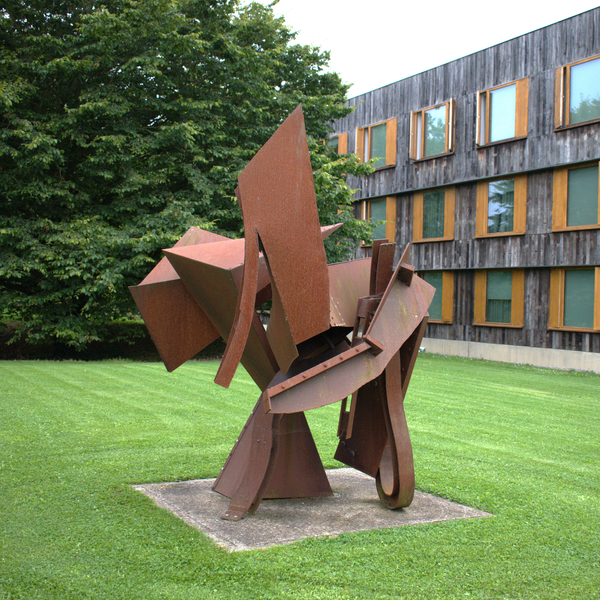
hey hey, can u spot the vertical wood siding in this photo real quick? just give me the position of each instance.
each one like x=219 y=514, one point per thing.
x=536 y=56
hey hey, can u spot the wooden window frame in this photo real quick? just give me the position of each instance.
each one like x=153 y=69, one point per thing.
x=447 y=297
x=417 y=131
x=449 y=215
x=560 y=198
x=521 y=113
x=390 y=216
x=517 y=304
x=520 y=210
x=562 y=100
x=557 y=300
x=391 y=131
x=342 y=139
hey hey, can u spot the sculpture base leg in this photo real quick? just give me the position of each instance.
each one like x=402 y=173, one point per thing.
x=274 y=457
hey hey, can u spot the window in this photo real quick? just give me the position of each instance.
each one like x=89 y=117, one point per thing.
x=577 y=93
x=377 y=141
x=501 y=206
x=339 y=143
x=502 y=112
x=499 y=298
x=576 y=198
x=432 y=131
x=381 y=209
x=442 y=305
x=575 y=299
x=433 y=215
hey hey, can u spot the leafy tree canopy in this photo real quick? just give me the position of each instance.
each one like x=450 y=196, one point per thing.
x=125 y=123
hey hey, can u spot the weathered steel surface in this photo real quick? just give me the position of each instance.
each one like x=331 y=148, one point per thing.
x=385 y=268
x=276 y=194
x=178 y=326
x=212 y=273
x=400 y=312
x=348 y=282
x=209 y=286
x=396 y=475
x=363 y=439
x=297 y=468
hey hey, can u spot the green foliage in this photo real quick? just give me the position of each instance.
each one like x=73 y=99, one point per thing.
x=334 y=200
x=516 y=441
x=123 y=124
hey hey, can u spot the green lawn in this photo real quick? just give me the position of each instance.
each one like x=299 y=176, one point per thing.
x=519 y=442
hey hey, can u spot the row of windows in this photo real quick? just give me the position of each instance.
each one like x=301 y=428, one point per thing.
x=501 y=116
x=501 y=206
x=499 y=298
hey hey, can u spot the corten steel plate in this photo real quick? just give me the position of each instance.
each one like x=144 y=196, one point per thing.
x=176 y=323
x=400 y=312
x=212 y=274
x=364 y=448
x=277 y=197
x=218 y=299
x=297 y=472
x=348 y=282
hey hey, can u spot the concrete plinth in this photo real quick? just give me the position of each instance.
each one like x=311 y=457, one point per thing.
x=353 y=507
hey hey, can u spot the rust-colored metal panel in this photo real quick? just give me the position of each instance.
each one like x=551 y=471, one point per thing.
x=363 y=449
x=279 y=333
x=348 y=282
x=396 y=476
x=256 y=476
x=374 y=264
x=297 y=470
x=215 y=288
x=400 y=312
x=385 y=267
x=280 y=210
x=163 y=271
x=177 y=325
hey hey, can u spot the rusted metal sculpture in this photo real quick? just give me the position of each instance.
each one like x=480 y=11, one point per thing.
x=346 y=332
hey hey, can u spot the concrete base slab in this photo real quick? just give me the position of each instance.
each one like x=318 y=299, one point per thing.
x=354 y=506
x=525 y=355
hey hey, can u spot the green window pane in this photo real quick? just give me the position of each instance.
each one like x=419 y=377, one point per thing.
x=333 y=143
x=499 y=295
x=435 y=278
x=585 y=92
x=378 y=142
x=435 y=131
x=579 y=298
x=501 y=206
x=582 y=198
x=503 y=113
x=433 y=214
x=377 y=213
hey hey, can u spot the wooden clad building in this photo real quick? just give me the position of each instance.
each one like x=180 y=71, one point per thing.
x=488 y=166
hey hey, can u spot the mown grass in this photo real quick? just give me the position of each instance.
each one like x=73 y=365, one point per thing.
x=519 y=442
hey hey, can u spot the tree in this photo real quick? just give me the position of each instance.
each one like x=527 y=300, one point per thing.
x=127 y=123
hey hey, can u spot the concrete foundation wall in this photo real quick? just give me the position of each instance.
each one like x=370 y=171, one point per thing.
x=539 y=357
